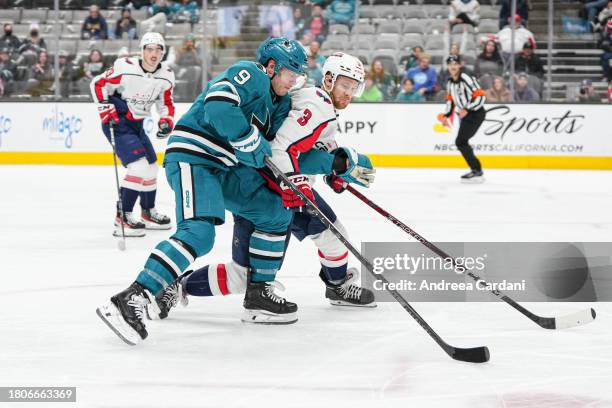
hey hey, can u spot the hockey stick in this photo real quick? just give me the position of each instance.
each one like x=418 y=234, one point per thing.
x=563 y=322
x=470 y=355
x=121 y=243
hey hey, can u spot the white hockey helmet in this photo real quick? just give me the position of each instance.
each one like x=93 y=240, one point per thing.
x=346 y=65
x=152 y=38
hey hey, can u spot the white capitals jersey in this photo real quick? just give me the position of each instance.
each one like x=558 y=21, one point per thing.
x=138 y=88
x=311 y=124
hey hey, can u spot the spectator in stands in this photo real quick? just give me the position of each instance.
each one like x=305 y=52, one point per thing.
x=126 y=26
x=161 y=13
x=299 y=22
x=423 y=76
x=314 y=72
x=93 y=66
x=604 y=16
x=498 y=91
x=523 y=92
x=341 y=12
x=307 y=38
x=413 y=59
x=8 y=72
x=587 y=92
x=464 y=12
x=528 y=62
x=383 y=80
x=610 y=91
x=41 y=76
x=8 y=40
x=188 y=55
x=185 y=11
x=593 y=8
x=371 y=93
x=68 y=74
x=94 y=26
x=161 y=6
x=521 y=36
x=606 y=46
x=522 y=10
x=34 y=43
x=489 y=61
x=407 y=94
x=317 y=24
x=314 y=48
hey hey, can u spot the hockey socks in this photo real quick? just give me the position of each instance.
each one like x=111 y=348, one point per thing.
x=167 y=261
x=216 y=280
x=147 y=199
x=128 y=199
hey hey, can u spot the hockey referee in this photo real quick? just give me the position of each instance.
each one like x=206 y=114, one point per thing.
x=464 y=93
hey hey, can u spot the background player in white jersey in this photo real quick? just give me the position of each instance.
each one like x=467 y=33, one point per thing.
x=125 y=94
x=304 y=144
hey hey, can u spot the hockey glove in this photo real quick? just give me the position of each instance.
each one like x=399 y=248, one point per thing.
x=252 y=149
x=336 y=183
x=108 y=112
x=164 y=127
x=290 y=198
x=359 y=169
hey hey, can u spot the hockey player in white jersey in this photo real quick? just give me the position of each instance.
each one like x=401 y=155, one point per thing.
x=125 y=94
x=305 y=144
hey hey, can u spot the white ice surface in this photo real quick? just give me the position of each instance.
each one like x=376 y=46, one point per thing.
x=58 y=261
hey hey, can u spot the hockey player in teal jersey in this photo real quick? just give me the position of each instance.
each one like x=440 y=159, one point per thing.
x=211 y=160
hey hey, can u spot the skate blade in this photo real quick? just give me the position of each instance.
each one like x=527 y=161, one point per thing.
x=254 y=316
x=154 y=226
x=474 y=180
x=129 y=233
x=109 y=315
x=348 y=304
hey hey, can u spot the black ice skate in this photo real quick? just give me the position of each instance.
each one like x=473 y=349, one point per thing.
x=473 y=177
x=169 y=298
x=155 y=221
x=263 y=306
x=131 y=225
x=126 y=312
x=347 y=293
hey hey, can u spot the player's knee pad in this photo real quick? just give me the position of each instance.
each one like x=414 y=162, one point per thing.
x=198 y=233
x=277 y=219
x=140 y=176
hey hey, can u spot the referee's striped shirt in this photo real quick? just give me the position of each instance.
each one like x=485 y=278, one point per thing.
x=465 y=93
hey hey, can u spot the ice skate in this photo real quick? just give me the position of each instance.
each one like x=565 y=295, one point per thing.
x=347 y=293
x=168 y=299
x=473 y=177
x=155 y=221
x=263 y=306
x=125 y=313
x=131 y=225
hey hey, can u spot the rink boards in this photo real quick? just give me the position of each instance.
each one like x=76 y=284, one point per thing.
x=543 y=136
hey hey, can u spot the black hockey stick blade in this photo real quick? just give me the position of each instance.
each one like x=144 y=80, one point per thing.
x=469 y=355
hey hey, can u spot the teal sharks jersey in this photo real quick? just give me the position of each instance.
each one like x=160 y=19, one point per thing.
x=239 y=97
